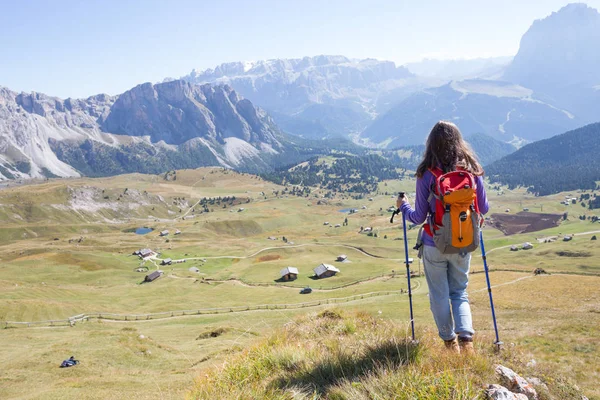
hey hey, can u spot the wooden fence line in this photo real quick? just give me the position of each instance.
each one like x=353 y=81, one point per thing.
x=205 y=311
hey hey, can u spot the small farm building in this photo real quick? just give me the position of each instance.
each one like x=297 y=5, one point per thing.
x=153 y=276
x=527 y=246
x=325 y=271
x=567 y=238
x=164 y=233
x=166 y=261
x=144 y=253
x=177 y=232
x=342 y=257
x=289 y=273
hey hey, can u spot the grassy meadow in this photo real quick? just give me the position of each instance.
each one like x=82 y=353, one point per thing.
x=67 y=247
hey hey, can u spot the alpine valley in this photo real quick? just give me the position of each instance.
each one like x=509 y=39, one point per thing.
x=265 y=115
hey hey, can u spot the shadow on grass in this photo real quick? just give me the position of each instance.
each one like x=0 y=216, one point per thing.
x=330 y=372
x=320 y=278
x=281 y=280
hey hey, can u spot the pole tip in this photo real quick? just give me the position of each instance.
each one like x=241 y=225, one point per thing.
x=498 y=345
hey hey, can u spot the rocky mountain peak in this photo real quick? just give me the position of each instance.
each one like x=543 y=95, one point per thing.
x=559 y=49
x=177 y=111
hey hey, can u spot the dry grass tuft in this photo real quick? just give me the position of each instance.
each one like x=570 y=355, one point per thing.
x=336 y=355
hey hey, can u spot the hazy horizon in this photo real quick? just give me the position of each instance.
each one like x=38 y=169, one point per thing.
x=74 y=49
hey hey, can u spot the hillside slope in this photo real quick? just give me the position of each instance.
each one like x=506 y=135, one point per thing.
x=331 y=355
x=502 y=110
x=562 y=163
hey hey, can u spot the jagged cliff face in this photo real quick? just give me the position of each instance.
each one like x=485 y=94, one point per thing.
x=177 y=111
x=191 y=125
x=293 y=84
x=29 y=121
x=318 y=96
x=558 y=58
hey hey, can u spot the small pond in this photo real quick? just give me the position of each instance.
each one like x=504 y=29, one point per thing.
x=348 y=210
x=143 y=230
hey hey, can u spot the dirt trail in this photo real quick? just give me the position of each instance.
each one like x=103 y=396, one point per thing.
x=355 y=248
x=503 y=284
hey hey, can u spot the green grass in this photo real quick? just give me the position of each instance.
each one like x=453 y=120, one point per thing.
x=41 y=279
x=356 y=356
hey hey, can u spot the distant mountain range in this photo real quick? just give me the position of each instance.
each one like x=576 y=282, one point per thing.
x=551 y=85
x=316 y=97
x=150 y=128
x=562 y=163
x=209 y=117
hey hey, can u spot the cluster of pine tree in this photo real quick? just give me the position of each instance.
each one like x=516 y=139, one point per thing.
x=562 y=163
x=354 y=174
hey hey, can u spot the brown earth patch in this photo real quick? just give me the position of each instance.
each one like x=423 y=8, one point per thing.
x=524 y=222
x=268 y=257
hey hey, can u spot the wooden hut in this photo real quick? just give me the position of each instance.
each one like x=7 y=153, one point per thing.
x=325 y=271
x=152 y=276
x=288 y=274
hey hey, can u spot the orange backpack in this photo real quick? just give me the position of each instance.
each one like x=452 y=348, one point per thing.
x=456 y=221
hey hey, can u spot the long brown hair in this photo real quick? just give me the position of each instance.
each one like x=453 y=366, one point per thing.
x=446 y=148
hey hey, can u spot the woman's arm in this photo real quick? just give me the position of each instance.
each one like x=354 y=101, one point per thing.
x=419 y=213
x=482 y=201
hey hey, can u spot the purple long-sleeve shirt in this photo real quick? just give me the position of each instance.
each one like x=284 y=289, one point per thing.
x=423 y=208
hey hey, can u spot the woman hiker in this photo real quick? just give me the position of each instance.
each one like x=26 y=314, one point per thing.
x=447 y=274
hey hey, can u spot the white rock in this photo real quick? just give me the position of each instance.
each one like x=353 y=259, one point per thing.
x=498 y=392
x=516 y=383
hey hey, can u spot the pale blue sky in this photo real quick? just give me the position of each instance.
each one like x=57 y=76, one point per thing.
x=76 y=48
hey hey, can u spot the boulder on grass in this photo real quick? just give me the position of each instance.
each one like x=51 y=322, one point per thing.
x=516 y=383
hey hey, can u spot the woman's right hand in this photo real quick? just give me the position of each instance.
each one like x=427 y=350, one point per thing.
x=402 y=199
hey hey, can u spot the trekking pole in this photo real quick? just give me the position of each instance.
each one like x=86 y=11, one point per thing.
x=498 y=343
x=412 y=320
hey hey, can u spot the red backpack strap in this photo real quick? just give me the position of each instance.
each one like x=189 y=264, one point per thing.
x=437 y=172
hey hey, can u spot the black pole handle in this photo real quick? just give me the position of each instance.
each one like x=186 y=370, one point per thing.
x=400 y=195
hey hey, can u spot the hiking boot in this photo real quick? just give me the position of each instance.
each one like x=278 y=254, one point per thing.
x=466 y=345
x=452 y=345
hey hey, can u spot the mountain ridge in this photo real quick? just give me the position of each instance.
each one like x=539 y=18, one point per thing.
x=43 y=136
